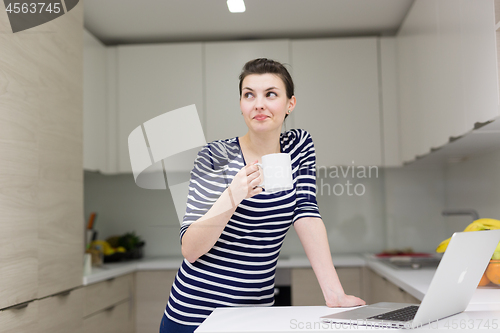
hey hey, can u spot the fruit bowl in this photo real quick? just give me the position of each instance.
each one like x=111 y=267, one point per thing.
x=491 y=275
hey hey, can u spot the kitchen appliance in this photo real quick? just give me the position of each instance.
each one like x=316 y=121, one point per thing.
x=411 y=262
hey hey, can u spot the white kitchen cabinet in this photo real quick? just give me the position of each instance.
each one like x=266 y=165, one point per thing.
x=152 y=80
x=337 y=90
x=223 y=62
x=447 y=72
x=390 y=109
x=95 y=121
x=151 y=296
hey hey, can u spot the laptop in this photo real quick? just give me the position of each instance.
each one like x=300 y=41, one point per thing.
x=449 y=293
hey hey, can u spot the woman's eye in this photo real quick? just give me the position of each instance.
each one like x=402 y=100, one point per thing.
x=248 y=95
x=271 y=94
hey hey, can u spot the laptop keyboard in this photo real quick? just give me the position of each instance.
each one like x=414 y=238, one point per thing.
x=403 y=314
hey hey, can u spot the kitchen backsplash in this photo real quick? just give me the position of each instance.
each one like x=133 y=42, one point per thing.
x=393 y=208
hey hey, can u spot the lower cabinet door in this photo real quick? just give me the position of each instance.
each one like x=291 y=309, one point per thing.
x=20 y=319
x=117 y=318
x=61 y=313
x=306 y=290
x=102 y=295
x=151 y=296
x=382 y=290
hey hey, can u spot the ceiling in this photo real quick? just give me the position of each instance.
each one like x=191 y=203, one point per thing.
x=156 y=21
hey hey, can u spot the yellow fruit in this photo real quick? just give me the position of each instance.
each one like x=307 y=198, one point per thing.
x=121 y=249
x=106 y=249
x=490 y=224
x=484 y=281
x=477 y=225
x=443 y=245
x=493 y=271
x=113 y=241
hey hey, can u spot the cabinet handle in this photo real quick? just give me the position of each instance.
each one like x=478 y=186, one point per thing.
x=20 y=306
x=110 y=308
x=401 y=290
x=64 y=293
x=110 y=279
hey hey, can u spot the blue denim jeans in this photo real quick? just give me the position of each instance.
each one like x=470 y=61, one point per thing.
x=170 y=326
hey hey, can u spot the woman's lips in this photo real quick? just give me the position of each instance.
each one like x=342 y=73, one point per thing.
x=260 y=117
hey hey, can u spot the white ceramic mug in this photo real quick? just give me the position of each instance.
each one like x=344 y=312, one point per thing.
x=277 y=172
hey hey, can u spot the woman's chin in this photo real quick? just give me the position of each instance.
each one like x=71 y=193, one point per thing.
x=263 y=128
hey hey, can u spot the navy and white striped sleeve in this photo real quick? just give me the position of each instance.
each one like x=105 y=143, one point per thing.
x=307 y=205
x=207 y=183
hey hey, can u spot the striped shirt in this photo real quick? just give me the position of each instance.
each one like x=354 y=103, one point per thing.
x=239 y=269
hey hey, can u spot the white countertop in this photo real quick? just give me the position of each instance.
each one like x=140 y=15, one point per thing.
x=416 y=282
x=109 y=271
x=482 y=312
x=306 y=319
x=339 y=260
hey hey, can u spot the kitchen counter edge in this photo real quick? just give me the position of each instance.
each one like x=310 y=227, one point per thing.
x=112 y=270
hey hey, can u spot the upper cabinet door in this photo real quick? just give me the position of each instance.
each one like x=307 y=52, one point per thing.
x=223 y=64
x=419 y=83
x=479 y=60
x=337 y=95
x=94 y=104
x=447 y=72
x=152 y=80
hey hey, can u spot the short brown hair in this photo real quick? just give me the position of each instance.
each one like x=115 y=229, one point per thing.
x=268 y=66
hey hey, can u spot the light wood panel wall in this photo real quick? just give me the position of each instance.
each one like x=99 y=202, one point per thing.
x=41 y=179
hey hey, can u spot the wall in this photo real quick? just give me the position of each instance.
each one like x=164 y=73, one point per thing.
x=415 y=198
x=122 y=206
x=474 y=183
x=400 y=208
x=355 y=223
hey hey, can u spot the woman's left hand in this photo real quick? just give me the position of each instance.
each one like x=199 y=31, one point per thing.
x=344 y=300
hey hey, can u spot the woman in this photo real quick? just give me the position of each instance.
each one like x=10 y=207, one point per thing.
x=233 y=230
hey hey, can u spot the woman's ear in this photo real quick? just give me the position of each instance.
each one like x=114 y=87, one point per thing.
x=291 y=103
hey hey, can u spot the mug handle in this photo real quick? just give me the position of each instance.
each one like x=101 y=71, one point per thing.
x=264 y=181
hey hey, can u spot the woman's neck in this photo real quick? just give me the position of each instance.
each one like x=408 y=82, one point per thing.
x=262 y=144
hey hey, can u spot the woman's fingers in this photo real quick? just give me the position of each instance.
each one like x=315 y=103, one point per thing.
x=247 y=180
x=250 y=169
x=255 y=190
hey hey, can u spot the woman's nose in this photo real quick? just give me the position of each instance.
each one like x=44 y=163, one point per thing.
x=259 y=103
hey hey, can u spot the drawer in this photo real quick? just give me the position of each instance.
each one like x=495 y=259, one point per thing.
x=61 y=313
x=20 y=320
x=115 y=319
x=104 y=294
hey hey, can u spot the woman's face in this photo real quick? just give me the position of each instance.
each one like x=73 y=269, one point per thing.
x=264 y=102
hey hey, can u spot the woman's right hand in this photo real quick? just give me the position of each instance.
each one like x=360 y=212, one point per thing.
x=244 y=184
